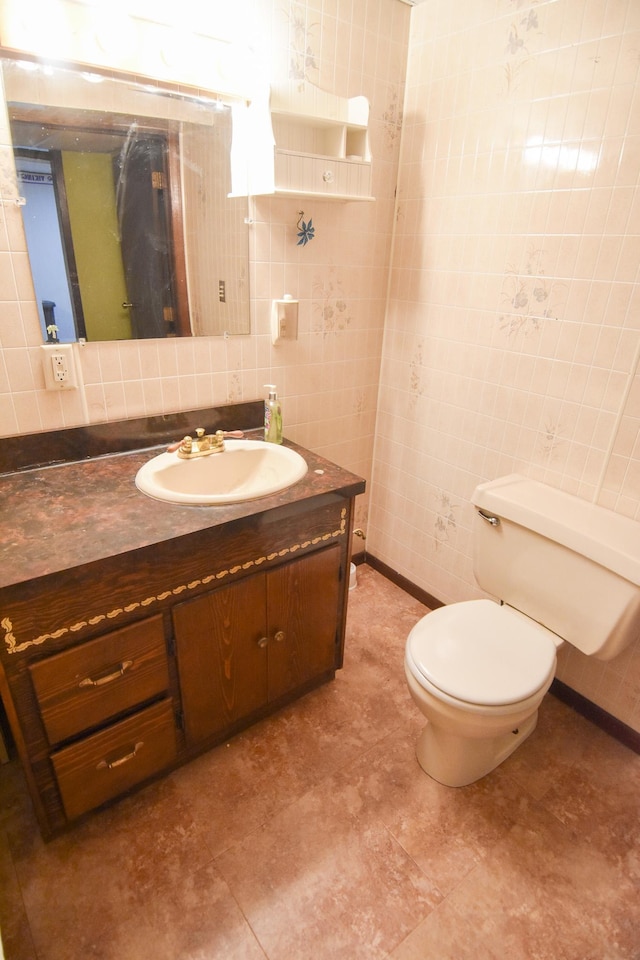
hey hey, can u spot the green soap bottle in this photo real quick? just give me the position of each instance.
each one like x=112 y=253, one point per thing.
x=272 y=416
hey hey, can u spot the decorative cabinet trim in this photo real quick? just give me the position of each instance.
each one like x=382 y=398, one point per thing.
x=13 y=646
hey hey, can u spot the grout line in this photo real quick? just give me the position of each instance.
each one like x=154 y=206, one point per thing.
x=614 y=433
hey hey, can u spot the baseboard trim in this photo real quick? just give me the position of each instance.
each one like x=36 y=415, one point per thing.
x=599 y=717
x=414 y=591
x=606 y=721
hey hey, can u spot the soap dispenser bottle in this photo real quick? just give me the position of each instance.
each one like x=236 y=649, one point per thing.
x=272 y=416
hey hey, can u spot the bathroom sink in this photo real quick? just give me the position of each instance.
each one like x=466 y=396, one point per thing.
x=245 y=470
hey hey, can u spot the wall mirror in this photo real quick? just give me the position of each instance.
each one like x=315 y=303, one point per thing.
x=130 y=228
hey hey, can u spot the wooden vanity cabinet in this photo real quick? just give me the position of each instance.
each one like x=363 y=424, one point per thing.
x=114 y=672
x=256 y=641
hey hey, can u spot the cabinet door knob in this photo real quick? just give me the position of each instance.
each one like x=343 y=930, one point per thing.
x=263 y=641
x=280 y=636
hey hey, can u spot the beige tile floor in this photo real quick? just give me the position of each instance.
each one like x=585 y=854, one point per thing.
x=316 y=835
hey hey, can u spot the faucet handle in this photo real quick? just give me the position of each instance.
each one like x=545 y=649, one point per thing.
x=204 y=443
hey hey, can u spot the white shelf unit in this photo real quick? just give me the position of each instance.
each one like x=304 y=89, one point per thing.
x=306 y=143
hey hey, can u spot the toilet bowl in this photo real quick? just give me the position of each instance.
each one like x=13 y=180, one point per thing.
x=478 y=671
x=561 y=569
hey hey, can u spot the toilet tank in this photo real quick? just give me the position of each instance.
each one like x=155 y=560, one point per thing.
x=568 y=564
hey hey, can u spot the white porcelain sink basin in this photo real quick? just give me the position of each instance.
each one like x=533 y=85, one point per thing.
x=245 y=470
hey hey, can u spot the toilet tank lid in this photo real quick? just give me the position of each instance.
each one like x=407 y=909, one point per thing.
x=607 y=538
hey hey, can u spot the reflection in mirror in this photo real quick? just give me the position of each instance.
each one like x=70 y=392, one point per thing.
x=130 y=230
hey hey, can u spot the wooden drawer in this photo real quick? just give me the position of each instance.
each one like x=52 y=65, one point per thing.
x=81 y=688
x=113 y=760
x=322 y=175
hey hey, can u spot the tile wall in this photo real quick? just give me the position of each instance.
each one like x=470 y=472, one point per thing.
x=513 y=328
x=328 y=378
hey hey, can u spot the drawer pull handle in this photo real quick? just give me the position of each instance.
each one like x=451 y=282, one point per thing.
x=109 y=678
x=279 y=636
x=111 y=764
x=263 y=641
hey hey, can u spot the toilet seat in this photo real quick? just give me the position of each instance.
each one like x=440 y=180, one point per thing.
x=482 y=652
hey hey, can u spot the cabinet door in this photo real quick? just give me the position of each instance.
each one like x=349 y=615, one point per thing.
x=222 y=656
x=302 y=613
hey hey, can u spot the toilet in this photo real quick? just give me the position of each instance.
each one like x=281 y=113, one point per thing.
x=561 y=570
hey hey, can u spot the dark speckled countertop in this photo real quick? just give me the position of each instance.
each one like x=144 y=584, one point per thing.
x=54 y=518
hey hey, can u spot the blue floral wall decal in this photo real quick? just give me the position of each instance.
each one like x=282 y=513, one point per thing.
x=306 y=231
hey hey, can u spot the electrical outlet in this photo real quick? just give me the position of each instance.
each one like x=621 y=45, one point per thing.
x=58 y=365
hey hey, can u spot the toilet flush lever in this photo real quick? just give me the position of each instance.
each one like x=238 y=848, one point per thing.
x=494 y=521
